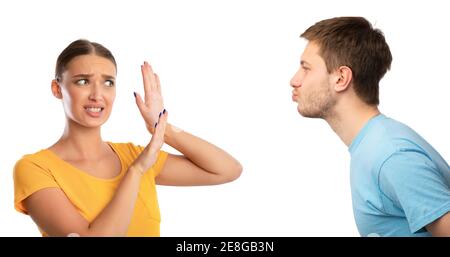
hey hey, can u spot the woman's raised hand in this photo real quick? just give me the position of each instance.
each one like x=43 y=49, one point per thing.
x=152 y=104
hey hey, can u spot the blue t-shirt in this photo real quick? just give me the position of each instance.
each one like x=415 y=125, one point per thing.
x=399 y=182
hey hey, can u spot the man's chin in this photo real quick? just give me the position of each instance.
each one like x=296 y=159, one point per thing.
x=307 y=114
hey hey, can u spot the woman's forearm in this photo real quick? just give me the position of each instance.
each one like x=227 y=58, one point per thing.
x=116 y=216
x=202 y=153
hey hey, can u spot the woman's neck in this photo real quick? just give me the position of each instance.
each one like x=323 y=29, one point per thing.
x=80 y=143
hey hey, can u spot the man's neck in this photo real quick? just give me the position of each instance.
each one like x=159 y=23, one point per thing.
x=348 y=120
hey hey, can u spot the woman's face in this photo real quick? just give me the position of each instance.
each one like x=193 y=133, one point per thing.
x=87 y=89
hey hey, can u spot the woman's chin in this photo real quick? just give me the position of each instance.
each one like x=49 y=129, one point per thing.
x=91 y=123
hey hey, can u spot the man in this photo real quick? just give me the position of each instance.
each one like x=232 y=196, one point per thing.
x=400 y=185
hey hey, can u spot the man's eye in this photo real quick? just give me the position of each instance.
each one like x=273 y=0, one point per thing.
x=109 y=83
x=81 y=82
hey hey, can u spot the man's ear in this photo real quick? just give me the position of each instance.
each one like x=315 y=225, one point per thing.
x=343 y=78
x=56 y=89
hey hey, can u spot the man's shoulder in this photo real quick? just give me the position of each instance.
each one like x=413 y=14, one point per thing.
x=385 y=138
x=390 y=135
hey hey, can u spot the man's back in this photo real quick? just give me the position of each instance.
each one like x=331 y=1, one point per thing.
x=399 y=182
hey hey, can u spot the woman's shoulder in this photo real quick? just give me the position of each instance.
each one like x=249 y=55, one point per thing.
x=36 y=157
x=38 y=160
x=129 y=150
x=126 y=150
x=125 y=146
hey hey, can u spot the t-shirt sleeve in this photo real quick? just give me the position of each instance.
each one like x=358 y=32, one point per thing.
x=159 y=164
x=29 y=177
x=414 y=184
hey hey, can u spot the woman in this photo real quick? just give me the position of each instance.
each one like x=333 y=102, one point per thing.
x=85 y=186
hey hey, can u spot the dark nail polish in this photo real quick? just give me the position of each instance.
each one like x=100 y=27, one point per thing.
x=134 y=93
x=156 y=124
x=164 y=111
x=160 y=114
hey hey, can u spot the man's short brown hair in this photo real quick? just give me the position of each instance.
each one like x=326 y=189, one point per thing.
x=353 y=42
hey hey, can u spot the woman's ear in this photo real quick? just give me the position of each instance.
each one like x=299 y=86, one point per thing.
x=343 y=78
x=56 y=89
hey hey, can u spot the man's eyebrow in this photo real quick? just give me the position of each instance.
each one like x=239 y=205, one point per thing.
x=302 y=62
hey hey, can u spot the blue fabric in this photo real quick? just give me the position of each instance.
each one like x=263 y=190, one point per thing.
x=399 y=182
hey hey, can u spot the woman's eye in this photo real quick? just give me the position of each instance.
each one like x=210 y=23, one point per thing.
x=109 y=83
x=81 y=82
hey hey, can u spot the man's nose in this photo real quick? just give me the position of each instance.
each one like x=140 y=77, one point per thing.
x=296 y=81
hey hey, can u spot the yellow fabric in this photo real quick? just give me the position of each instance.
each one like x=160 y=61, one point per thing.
x=87 y=193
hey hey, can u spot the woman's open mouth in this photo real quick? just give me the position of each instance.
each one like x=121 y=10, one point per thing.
x=94 y=111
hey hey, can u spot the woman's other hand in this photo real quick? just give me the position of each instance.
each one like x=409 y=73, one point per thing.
x=152 y=104
x=150 y=153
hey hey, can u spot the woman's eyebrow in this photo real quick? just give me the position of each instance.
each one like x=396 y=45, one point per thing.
x=82 y=75
x=105 y=76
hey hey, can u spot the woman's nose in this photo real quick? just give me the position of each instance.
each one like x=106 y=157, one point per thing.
x=95 y=93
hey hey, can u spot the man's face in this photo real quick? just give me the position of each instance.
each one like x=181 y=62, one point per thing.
x=312 y=85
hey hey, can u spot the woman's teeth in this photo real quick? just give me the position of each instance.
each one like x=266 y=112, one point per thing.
x=92 y=109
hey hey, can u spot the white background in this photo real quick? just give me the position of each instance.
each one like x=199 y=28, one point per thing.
x=225 y=68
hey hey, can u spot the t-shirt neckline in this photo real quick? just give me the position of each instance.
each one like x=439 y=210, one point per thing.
x=60 y=160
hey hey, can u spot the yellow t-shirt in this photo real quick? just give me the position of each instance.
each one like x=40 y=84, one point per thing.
x=87 y=193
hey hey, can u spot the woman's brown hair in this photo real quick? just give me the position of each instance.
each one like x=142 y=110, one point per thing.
x=77 y=48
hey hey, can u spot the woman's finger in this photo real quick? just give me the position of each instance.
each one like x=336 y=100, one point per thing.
x=158 y=137
x=145 y=80
x=162 y=121
x=150 y=75
x=158 y=83
x=140 y=103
